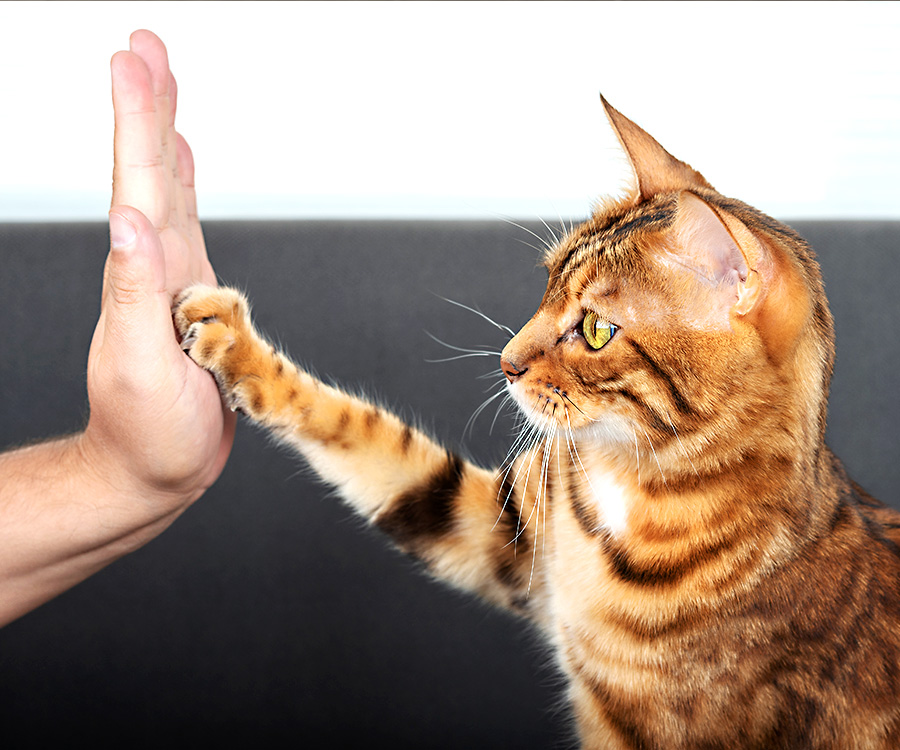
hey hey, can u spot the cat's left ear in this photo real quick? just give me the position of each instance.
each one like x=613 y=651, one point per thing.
x=655 y=169
x=720 y=251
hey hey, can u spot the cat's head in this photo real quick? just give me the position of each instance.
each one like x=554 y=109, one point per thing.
x=674 y=315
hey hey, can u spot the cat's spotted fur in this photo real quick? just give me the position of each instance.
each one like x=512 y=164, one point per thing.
x=708 y=574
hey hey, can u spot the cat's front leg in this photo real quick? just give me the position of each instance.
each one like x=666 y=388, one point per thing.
x=466 y=523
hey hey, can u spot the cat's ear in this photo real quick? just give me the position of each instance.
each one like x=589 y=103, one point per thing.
x=655 y=169
x=742 y=276
x=724 y=256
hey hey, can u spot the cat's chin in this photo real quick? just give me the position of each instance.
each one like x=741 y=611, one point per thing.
x=607 y=432
x=611 y=432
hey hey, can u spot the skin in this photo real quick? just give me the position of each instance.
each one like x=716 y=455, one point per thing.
x=158 y=435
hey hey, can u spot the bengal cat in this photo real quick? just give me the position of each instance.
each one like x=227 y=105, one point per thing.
x=707 y=573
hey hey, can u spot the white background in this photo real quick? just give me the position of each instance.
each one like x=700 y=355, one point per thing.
x=479 y=110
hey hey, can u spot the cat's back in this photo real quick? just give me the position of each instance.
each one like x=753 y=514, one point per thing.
x=883 y=518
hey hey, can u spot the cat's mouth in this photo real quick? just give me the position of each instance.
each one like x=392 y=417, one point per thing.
x=550 y=409
x=547 y=406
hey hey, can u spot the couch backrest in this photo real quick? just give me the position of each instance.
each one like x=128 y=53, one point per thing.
x=266 y=614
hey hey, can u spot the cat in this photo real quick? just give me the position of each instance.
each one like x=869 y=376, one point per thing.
x=708 y=574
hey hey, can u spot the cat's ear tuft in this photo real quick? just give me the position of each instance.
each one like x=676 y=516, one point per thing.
x=655 y=169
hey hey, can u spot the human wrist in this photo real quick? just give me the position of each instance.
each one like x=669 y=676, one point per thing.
x=103 y=464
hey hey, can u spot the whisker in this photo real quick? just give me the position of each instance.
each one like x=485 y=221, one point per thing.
x=526 y=436
x=526 y=442
x=659 y=465
x=500 y=383
x=562 y=223
x=637 y=455
x=520 y=529
x=575 y=449
x=527 y=430
x=540 y=500
x=549 y=229
x=683 y=449
x=537 y=249
x=509 y=399
x=560 y=393
x=460 y=356
x=471 y=423
x=480 y=314
x=540 y=239
x=485 y=351
x=537 y=497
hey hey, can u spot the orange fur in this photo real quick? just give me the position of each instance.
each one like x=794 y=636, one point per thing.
x=708 y=575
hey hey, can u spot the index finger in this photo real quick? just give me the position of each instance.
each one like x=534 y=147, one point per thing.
x=139 y=171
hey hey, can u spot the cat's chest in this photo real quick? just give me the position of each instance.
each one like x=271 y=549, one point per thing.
x=610 y=499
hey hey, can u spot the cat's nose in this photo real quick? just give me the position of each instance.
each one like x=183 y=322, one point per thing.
x=510 y=370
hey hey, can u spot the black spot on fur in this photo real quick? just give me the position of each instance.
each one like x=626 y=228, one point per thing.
x=427 y=512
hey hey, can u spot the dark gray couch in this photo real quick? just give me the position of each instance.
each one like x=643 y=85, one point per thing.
x=267 y=616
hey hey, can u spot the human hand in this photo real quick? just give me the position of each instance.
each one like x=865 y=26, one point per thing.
x=157 y=427
x=158 y=434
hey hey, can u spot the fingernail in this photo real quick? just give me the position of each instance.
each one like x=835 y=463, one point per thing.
x=122 y=232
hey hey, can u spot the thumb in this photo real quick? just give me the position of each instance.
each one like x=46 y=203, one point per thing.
x=136 y=267
x=136 y=307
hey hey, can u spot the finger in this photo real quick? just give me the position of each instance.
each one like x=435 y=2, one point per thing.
x=150 y=48
x=180 y=209
x=139 y=177
x=203 y=269
x=152 y=51
x=188 y=188
x=173 y=99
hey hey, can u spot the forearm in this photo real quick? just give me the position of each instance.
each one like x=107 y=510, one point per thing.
x=61 y=521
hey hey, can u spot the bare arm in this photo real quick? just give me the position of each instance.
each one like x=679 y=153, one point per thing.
x=157 y=436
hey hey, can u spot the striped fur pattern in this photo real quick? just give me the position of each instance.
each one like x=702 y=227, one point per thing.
x=706 y=571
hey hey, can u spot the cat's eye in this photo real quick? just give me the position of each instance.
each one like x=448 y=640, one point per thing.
x=597 y=332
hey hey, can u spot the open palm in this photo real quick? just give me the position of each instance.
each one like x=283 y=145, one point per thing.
x=151 y=407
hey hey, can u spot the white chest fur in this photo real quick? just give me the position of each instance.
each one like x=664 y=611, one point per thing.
x=611 y=499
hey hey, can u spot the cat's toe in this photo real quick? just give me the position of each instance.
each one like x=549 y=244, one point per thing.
x=209 y=342
x=191 y=336
x=205 y=304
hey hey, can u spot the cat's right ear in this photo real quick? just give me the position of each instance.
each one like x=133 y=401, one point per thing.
x=747 y=278
x=725 y=257
x=655 y=169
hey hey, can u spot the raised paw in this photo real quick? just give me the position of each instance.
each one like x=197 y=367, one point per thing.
x=216 y=332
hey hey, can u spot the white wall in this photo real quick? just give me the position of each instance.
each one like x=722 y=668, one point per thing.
x=462 y=109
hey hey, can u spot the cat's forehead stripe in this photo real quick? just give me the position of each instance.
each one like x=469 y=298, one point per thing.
x=606 y=239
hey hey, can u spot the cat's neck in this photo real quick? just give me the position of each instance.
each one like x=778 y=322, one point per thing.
x=663 y=497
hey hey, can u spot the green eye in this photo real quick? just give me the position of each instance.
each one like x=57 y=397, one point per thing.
x=597 y=332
